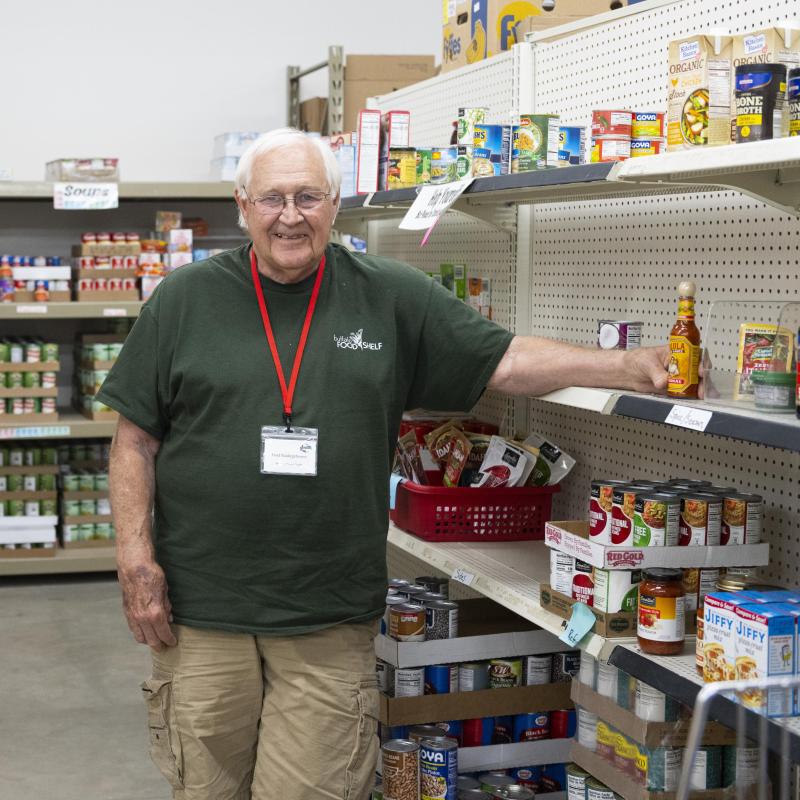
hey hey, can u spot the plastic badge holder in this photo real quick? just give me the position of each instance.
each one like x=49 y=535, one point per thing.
x=441 y=514
x=724 y=385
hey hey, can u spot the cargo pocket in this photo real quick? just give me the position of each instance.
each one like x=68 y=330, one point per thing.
x=164 y=740
x=360 y=773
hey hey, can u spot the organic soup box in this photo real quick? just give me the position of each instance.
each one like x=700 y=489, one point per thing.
x=699 y=92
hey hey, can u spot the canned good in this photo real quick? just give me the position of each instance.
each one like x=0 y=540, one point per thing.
x=701 y=519
x=130 y=262
x=600 y=510
x=49 y=352
x=697 y=583
x=535 y=142
x=609 y=150
x=505 y=673
x=491 y=782
x=420 y=732
x=30 y=483
x=465 y=160
x=656 y=520
x=86 y=531
x=531 y=727
x=3 y=508
x=468 y=118
x=72 y=508
x=492 y=150
x=400 y=759
x=576 y=782
x=102 y=530
x=538 y=669
x=49 y=508
x=32 y=508
x=15 y=406
x=16 y=353
x=31 y=380
x=48 y=380
x=128 y=284
x=619 y=334
x=409 y=682
x=85 y=285
x=33 y=353
x=741 y=519
x=114 y=284
x=441 y=679
x=71 y=482
x=15 y=483
x=100 y=284
x=14 y=380
x=647 y=147
x=104 y=507
x=616 y=590
x=562 y=724
x=515 y=792
x=441 y=620
x=33 y=456
x=443 y=164
x=587 y=673
x=473 y=677
x=438 y=759
x=433 y=583
x=612 y=123
x=86 y=482
x=587 y=729
x=407 y=622
x=649 y=125
x=385 y=675
x=477 y=732
x=117 y=262
x=86 y=262
x=16 y=508
x=5 y=355
x=566 y=666
x=654 y=706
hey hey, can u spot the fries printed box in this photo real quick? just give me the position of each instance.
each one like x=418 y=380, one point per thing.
x=699 y=92
x=765 y=648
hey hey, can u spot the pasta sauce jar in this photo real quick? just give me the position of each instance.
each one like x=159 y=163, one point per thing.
x=661 y=626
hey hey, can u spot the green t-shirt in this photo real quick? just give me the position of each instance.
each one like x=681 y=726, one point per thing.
x=276 y=554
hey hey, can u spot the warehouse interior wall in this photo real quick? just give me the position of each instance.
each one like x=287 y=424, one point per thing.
x=153 y=82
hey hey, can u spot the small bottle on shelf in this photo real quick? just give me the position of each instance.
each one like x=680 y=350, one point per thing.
x=684 y=347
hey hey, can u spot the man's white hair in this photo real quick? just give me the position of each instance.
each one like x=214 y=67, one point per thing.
x=285 y=137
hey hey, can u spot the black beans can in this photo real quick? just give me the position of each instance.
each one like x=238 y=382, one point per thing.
x=441 y=620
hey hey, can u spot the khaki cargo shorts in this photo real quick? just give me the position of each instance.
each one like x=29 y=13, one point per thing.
x=234 y=716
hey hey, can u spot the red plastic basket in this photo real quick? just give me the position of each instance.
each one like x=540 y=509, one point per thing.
x=440 y=514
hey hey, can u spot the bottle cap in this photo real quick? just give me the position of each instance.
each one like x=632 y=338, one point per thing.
x=687 y=289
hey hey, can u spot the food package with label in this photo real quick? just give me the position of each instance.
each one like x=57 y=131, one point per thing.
x=505 y=464
x=552 y=465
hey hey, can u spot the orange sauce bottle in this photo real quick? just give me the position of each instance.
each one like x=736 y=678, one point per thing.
x=684 y=347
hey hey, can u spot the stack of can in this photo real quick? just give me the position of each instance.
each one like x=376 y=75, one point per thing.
x=619 y=135
x=8 y=262
x=24 y=352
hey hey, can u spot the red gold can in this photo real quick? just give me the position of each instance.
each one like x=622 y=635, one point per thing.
x=86 y=262
x=102 y=262
x=131 y=262
x=117 y=262
x=101 y=285
x=118 y=237
x=103 y=238
x=85 y=285
x=88 y=238
x=128 y=283
x=114 y=284
x=131 y=237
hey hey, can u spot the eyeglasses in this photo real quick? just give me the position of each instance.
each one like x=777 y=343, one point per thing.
x=271 y=204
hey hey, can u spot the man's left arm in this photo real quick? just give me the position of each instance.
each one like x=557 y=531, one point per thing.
x=533 y=366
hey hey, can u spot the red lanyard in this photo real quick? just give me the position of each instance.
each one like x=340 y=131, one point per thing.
x=287 y=393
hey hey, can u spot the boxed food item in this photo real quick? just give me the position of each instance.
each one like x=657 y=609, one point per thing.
x=762 y=347
x=346 y=156
x=699 y=95
x=368 y=152
x=233 y=144
x=314 y=115
x=395 y=133
x=82 y=169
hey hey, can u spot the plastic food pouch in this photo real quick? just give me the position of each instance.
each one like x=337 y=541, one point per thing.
x=505 y=464
x=553 y=464
x=457 y=461
x=409 y=459
x=440 y=441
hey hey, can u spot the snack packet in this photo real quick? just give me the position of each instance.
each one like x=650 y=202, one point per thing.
x=457 y=460
x=480 y=444
x=408 y=459
x=505 y=464
x=440 y=441
x=553 y=464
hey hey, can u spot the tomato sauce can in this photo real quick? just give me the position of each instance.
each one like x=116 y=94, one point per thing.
x=612 y=123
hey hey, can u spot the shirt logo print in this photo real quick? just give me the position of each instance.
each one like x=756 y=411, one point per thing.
x=355 y=341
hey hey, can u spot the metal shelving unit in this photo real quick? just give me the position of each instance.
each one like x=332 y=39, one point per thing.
x=71 y=310
x=70 y=425
x=42 y=190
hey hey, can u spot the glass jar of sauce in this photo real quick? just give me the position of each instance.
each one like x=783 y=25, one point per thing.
x=661 y=626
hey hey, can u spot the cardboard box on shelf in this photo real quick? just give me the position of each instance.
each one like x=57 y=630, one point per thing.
x=471 y=705
x=368 y=151
x=107 y=296
x=314 y=115
x=573 y=538
x=565 y=12
x=650 y=734
x=486 y=630
x=371 y=76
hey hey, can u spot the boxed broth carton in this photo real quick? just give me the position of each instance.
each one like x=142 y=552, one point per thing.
x=699 y=95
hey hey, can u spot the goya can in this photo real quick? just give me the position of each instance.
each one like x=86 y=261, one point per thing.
x=656 y=520
x=701 y=519
x=505 y=673
x=649 y=125
x=647 y=147
x=438 y=768
x=400 y=769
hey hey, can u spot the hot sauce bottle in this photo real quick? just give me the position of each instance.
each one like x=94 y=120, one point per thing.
x=684 y=347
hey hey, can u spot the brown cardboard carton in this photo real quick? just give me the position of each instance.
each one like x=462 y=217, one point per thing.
x=699 y=92
x=313 y=114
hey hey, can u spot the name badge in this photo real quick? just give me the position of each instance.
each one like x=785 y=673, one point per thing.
x=289 y=452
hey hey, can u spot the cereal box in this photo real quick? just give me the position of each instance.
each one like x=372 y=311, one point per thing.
x=765 y=647
x=699 y=92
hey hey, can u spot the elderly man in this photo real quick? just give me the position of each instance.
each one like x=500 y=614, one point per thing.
x=260 y=394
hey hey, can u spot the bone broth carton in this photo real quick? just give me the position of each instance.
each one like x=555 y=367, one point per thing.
x=699 y=97
x=766 y=640
x=719 y=635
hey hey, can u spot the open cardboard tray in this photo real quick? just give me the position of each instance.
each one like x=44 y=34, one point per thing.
x=100 y=416
x=622 y=784
x=650 y=734
x=42 y=469
x=20 y=552
x=471 y=705
x=106 y=273
x=37 y=495
x=116 y=296
x=87 y=518
x=34 y=391
x=10 y=420
x=97 y=366
x=573 y=538
x=24 y=296
x=486 y=630
x=88 y=495
x=620 y=624
x=28 y=530
x=110 y=249
x=38 y=366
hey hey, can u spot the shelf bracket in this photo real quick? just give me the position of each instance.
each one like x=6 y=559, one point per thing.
x=487 y=214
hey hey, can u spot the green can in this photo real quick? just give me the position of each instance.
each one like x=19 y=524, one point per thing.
x=15 y=483
x=16 y=457
x=102 y=530
x=101 y=482
x=115 y=349
x=5 y=352
x=47 y=483
x=463 y=161
x=423 y=165
x=85 y=482
x=86 y=530
x=72 y=508
x=16 y=508
x=100 y=352
x=33 y=456
x=49 y=508
x=534 y=142
x=31 y=380
x=49 y=352
x=72 y=533
x=78 y=453
x=30 y=483
x=72 y=482
x=14 y=380
x=4 y=457
x=88 y=508
x=50 y=456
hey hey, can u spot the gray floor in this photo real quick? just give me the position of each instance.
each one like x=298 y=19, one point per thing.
x=72 y=724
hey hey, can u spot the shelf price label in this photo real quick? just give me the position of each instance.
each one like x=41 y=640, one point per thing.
x=462 y=576
x=38 y=308
x=85 y=196
x=35 y=432
x=695 y=419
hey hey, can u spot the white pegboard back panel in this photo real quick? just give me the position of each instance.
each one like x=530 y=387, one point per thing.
x=628 y=56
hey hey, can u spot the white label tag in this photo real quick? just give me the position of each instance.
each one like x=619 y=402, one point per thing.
x=462 y=576
x=85 y=196
x=695 y=419
x=38 y=308
x=432 y=201
x=292 y=453
x=115 y=312
x=35 y=432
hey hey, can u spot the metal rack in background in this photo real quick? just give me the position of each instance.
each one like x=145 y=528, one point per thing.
x=335 y=65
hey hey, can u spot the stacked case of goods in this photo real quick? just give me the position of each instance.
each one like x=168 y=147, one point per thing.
x=106 y=265
x=28 y=500
x=85 y=508
x=96 y=355
x=28 y=377
x=34 y=278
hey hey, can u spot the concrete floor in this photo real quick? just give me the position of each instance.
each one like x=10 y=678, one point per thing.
x=72 y=722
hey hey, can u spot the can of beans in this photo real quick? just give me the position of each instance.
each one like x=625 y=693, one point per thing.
x=601 y=505
x=566 y=666
x=407 y=622
x=701 y=519
x=385 y=675
x=741 y=518
x=697 y=583
x=493 y=782
x=400 y=759
x=86 y=531
x=505 y=673
x=433 y=583
x=438 y=764
x=441 y=619
x=441 y=679
x=538 y=669
x=412 y=591
x=531 y=727
x=473 y=677
x=102 y=530
x=72 y=482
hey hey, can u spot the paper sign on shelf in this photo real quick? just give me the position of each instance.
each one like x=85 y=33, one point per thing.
x=579 y=624
x=38 y=308
x=462 y=576
x=115 y=312
x=696 y=419
x=85 y=196
x=432 y=201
